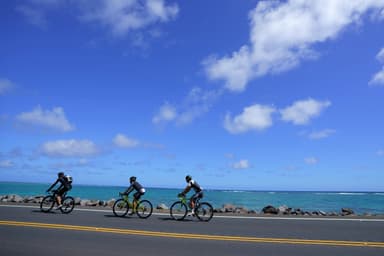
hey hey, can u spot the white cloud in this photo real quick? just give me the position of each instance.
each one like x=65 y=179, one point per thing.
x=311 y=160
x=6 y=164
x=123 y=141
x=242 y=164
x=69 y=148
x=166 y=113
x=123 y=16
x=301 y=112
x=5 y=86
x=54 y=119
x=378 y=78
x=195 y=104
x=120 y=16
x=283 y=34
x=321 y=134
x=255 y=117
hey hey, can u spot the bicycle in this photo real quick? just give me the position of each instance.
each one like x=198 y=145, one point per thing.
x=121 y=207
x=179 y=209
x=68 y=203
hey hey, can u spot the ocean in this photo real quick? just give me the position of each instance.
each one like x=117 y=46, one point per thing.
x=360 y=202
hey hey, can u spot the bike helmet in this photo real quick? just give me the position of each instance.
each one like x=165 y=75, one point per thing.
x=188 y=178
x=60 y=174
x=132 y=179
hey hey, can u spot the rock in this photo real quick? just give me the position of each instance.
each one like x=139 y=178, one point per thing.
x=220 y=210
x=111 y=202
x=77 y=200
x=17 y=199
x=241 y=210
x=162 y=207
x=270 y=210
x=229 y=207
x=252 y=212
x=29 y=199
x=84 y=202
x=322 y=213
x=92 y=203
x=38 y=199
x=347 y=211
x=284 y=210
x=102 y=203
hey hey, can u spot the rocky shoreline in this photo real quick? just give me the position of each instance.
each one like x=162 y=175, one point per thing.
x=225 y=209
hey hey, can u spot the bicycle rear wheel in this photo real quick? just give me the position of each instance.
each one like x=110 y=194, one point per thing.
x=178 y=210
x=120 y=208
x=204 y=211
x=68 y=204
x=47 y=203
x=144 y=209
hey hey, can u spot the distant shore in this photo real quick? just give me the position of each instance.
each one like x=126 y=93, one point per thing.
x=226 y=209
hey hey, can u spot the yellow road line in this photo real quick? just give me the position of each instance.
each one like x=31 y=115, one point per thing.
x=194 y=236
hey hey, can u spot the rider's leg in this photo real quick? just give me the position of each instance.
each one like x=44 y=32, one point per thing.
x=135 y=201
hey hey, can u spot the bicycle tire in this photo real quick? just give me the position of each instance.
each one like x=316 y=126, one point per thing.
x=47 y=203
x=178 y=210
x=120 y=208
x=204 y=211
x=144 y=209
x=68 y=203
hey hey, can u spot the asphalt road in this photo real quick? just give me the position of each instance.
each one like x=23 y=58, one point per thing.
x=27 y=231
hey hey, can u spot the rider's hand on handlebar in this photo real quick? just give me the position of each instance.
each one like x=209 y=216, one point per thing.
x=181 y=195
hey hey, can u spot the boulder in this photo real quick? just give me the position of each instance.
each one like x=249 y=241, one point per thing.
x=229 y=207
x=111 y=202
x=347 y=211
x=284 y=210
x=241 y=210
x=84 y=202
x=161 y=207
x=322 y=213
x=92 y=203
x=102 y=203
x=77 y=200
x=270 y=210
x=17 y=199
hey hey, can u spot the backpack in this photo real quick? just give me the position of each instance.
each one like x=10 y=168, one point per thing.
x=68 y=179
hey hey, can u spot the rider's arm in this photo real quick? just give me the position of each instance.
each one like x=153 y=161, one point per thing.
x=54 y=184
x=129 y=190
x=186 y=190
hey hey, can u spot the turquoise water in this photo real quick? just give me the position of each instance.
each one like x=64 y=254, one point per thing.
x=360 y=202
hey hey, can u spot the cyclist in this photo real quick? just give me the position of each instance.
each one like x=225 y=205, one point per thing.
x=140 y=190
x=65 y=185
x=198 y=192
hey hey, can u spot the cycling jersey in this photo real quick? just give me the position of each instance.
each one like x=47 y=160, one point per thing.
x=135 y=186
x=193 y=184
x=64 y=184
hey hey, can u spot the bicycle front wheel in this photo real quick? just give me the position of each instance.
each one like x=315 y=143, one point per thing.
x=144 y=209
x=120 y=208
x=178 y=210
x=204 y=211
x=47 y=203
x=68 y=205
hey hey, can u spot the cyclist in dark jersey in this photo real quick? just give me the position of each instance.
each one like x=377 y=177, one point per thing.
x=65 y=185
x=198 y=191
x=140 y=190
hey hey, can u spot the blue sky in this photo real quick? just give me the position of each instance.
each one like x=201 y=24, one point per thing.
x=262 y=95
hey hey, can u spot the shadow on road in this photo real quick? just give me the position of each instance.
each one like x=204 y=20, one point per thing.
x=39 y=211
x=171 y=219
